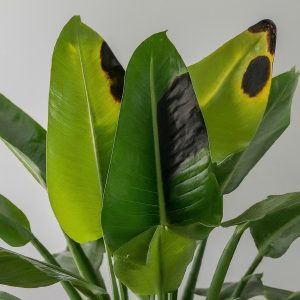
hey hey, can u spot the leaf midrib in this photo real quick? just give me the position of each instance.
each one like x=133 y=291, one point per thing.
x=91 y=121
x=159 y=181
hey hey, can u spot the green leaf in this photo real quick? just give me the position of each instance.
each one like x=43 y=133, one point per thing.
x=93 y=250
x=14 y=226
x=274 y=223
x=6 y=296
x=24 y=137
x=154 y=261
x=276 y=119
x=84 y=102
x=160 y=176
x=232 y=86
x=254 y=287
x=22 y=271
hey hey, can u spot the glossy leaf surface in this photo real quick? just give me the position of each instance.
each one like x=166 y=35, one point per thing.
x=160 y=181
x=21 y=271
x=232 y=86
x=24 y=137
x=254 y=287
x=85 y=90
x=274 y=223
x=14 y=226
x=276 y=119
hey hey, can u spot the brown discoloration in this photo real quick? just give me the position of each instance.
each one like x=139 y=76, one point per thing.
x=114 y=71
x=256 y=75
x=269 y=27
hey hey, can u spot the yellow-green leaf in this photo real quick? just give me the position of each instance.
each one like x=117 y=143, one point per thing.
x=84 y=102
x=232 y=86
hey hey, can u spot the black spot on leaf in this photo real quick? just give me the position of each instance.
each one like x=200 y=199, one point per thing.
x=269 y=27
x=256 y=75
x=182 y=132
x=114 y=71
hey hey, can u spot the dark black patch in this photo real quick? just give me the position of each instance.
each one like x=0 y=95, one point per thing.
x=256 y=75
x=113 y=70
x=181 y=127
x=269 y=27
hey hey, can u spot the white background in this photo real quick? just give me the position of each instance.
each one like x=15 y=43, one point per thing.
x=28 y=31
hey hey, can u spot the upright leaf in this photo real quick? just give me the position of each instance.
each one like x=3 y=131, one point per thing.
x=232 y=86
x=22 y=271
x=274 y=223
x=276 y=119
x=85 y=91
x=160 y=184
x=24 y=137
x=14 y=226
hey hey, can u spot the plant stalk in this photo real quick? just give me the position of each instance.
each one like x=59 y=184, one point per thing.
x=224 y=263
x=188 y=293
x=68 y=287
x=243 y=282
x=113 y=279
x=123 y=291
x=173 y=296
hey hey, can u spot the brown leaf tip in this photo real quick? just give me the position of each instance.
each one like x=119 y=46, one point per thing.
x=269 y=27
x=114 y=71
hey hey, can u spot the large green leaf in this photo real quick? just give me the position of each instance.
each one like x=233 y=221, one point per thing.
x=160 y=184
x=24 y=137
x=254 y=287
x=276 y=119
x=6 y=296
x=14 y=226
x=21 y=271
x=85 y=90
x=274 y=223
x=232 y=86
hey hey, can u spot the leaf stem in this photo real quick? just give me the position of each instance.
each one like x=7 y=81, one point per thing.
x=113 y=279
x=224 y=263
x=173 y=296
x=243 y=282
x=70 y=290
x=123 y=291
x=84 y=265
x=188 y=293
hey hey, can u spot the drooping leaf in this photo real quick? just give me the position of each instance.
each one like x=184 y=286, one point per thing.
x=85 y=90
x=6 y=296
x=14 y=226
x=276 y=119
x=254 y=287
x=232 y=86
x=24 y=137
x=22 y=271
x=160 y=182
x=274 y=223
x=93 y=250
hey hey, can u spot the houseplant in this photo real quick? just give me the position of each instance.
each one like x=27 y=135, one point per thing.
x=143 y=181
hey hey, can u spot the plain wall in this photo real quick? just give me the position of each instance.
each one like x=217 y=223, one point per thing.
x=28 y=31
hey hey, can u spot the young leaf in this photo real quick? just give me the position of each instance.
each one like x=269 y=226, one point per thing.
x=232 y=86
x=6 y=296
x=276 y=119
x=24 y=137
x=160 y=162
x=14 y=226
x=85 y=91
x=274 y=223
x=22 y=271
x=254 y=287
